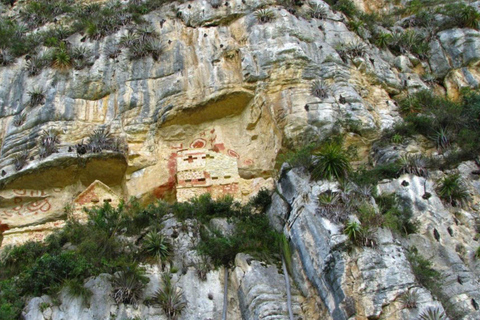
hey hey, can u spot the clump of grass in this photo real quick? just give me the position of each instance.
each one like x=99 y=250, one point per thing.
x=48 y=141
x=19 y=119
x=21 y=160
x=413 y=164
x=76 y=288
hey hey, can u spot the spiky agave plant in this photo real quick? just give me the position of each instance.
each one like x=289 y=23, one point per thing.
x=319 y=89
x=128 y=285
x=21 y=160
x=99 y=140
x=48 y=141
x=37 y=97
x=332 y=163
x=264 y=15
x=452 y=190
x=433 y=314
x=157 y=246
x=409 y=299
x=170 y=298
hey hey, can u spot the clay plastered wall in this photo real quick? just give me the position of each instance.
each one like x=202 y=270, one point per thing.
x=18 y=236
x=23 y=207
x=201 y=170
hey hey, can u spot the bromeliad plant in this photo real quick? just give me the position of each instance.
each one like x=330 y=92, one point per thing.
x=332 y=162
x=157 y=247
x=170 y=298
x=452 y=190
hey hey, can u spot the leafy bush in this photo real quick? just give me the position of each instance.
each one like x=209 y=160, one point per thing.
x=332 y=162
x=261 y=200
x=452 y=190
x=170 y=298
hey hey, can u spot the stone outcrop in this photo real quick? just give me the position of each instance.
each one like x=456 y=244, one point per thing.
x=227 y=95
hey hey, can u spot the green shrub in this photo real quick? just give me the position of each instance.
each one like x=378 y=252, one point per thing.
x=261 y=200
x=422 y=269
x=49 y=271
x=37 y=97
x=452 y=190
x=300 y=158
x=76 y=288
x=332 y=162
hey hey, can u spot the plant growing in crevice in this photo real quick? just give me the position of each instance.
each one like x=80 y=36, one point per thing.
x=320 y=89
x=170 y=298
x=264 y=15
x=413 y=164
x=21 y=160
x=48 y=141
x=76 y=289
x=332 y=162
x=100 y=139
x=422 y=269
x=432 y=314
x=19 y=119
x=409 y=299
x=128 y=285
x=35 y=64
x=156 y=246
x=452 y=190
x=318 y=11
x=37 y=97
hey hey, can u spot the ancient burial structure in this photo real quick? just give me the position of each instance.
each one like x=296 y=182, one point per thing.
x=95 y=195
x=206 y=171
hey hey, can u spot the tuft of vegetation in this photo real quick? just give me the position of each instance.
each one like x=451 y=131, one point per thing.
x=432 y=313
x=128 y=285
x=410 y=299
x=332 y=162
x=48 y=141
x=422 y=269
x=413 y=164
x=19 y=119
x=452 y=190
x=37 y=97
x=21 y=160
x=170 y=298
x=320 y=89
x=155 y=246
x=76 y=289
x=264 y=15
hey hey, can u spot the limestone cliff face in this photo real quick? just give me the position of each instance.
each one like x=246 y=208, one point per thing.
x=225 y=97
